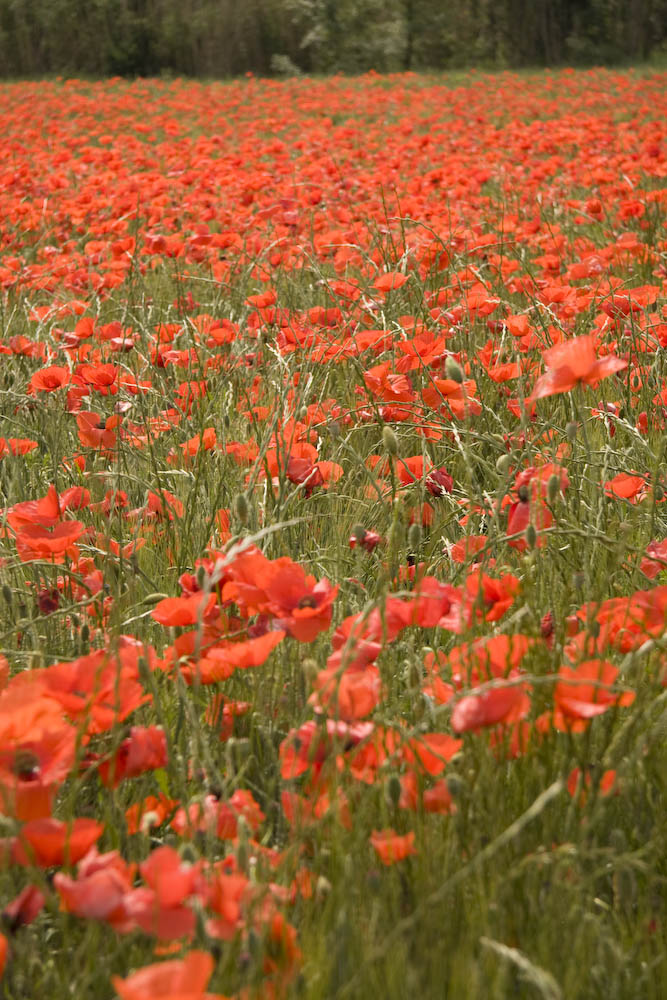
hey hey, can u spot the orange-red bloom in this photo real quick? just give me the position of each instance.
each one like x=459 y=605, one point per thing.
x=574 y=362
x=391 y=847
x=178 y=979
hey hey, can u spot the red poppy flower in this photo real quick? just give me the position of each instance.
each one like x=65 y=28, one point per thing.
x=177 y=979
x=36 y=542
x=488 y=598
x=223 y=659
x=25 y=907
x=95 y=431
x=48 y=379
x=16 y=446
x=391 y=847
x=50 y=842
x=145 y=749
x=574 y=362
x=349 y=694
x=503 y=704
x=390 y=281
x=584 y=692
x=181 y=611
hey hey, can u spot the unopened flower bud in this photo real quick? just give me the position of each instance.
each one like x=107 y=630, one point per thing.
x=453 y=370
x=322 y=887
x=7 y=593
x=503 y=465
x=414 y=536
x=310 y=669
x=531 y=536
x=571 y=430
x=241 y=508
x=390 y=441
x=553 y=487
x=358 y=532
x=394 y=789
x=455 y=785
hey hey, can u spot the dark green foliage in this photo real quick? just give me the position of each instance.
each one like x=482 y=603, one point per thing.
x=222 y=38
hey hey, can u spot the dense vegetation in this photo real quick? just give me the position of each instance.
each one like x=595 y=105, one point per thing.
x=333 y=571
x=222 y=38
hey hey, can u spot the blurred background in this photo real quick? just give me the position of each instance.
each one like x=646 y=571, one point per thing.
x=223 y=38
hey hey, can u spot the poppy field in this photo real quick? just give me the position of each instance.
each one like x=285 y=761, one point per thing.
x=333 y=538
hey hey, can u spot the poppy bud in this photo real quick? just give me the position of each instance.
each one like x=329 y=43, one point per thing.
x=625 y=887
x=618 y=840
x=241 y=508
x=322 y=887
x=310 y=669
x=390 y=441
x=453 y=370
x=571 y=430
x=242 y=851
x=553 y=487
x=7 y=593
x=455 y=785
x=358 y=532
x=503 y=465
x=85 y=633
x=201 y=577
x=414 y=536
x=394 y=789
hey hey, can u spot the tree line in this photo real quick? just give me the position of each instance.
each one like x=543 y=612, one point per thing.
x=224 y=38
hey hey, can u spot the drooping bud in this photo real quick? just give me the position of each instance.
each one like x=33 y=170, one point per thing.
x=531 y=536
x=571 y=430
